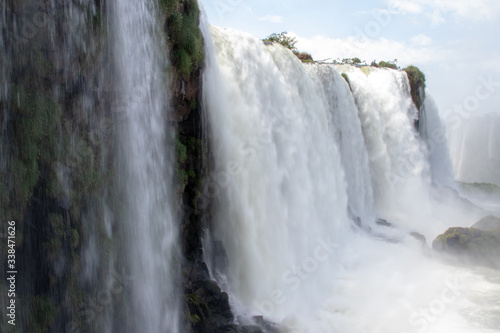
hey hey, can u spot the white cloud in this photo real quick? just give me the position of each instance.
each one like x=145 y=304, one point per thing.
x=476 y=10
x=435 y=17
x=272 y=18
x=248 y=10
x=421 y=40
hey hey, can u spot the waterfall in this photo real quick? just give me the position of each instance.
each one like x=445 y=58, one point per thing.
x=474 y=141
x=147 y=177
x=283 y=204
x=397 y=157
x=340 y=103
x=87 y=167
x=434 y=134
x=299 y=163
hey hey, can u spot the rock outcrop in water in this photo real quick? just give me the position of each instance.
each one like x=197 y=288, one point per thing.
x=478 y=245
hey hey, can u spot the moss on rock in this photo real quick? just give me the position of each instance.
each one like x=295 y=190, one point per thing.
x=417 y=85
x=42 y=314
x=473 y=245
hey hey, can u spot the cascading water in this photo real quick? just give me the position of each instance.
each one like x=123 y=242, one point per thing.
x=401 y=174
x=147 y=178
x=285 y=202
x=86 y=161
x=289 y=163
x=474 y=141
x=434 y=134
x=354 y=156
x=396 y=156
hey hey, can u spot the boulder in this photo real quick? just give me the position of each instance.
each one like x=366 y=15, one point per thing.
x=471 y=245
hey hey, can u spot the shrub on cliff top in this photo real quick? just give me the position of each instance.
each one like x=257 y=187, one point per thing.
x=351 y=61
x=388 y=64
x=283 y=39
x=303 y=56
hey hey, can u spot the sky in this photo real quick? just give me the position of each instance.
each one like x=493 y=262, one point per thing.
x=456 y=43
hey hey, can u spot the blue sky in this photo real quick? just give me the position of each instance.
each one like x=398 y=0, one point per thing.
x=456 y=43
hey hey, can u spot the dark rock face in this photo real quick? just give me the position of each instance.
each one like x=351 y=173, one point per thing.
x=471 y=245
x=57 y=139
x=418 y=236
x=384 y=223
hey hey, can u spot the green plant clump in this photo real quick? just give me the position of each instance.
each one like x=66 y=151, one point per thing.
x=417 y=81
x=184 y=36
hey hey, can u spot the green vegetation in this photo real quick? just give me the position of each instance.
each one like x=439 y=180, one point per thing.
x=54 y=157
x=35 y=132
x=181 y=154
x=184 y=36
x=195 y=308
x=351 y=61
x=304 y=57
x=417 y=84
x=289 y=43
x=346 y=78
x=283 y=39
x=187 y=149
x=42 y=314
x=387 y=64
